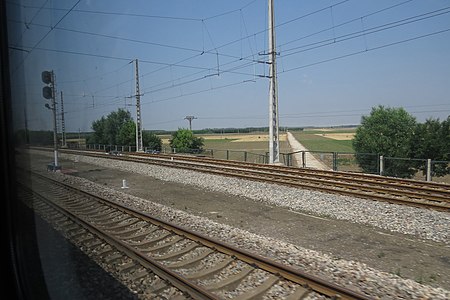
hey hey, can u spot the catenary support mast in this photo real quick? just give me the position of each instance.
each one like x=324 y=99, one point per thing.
x=274 y=144
x=139 y=146
x=63 y=123
x=55 y=127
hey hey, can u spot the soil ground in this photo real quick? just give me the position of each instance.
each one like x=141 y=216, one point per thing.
x=426 y=262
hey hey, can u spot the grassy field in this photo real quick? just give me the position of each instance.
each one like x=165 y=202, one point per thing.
x=326 y=140
x=253 y=147
x=245 y=147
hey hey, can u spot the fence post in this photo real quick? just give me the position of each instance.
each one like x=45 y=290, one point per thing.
x=429 y=169
x=335 y=161
x=381 y=165
x=303 y=159
x=228 y=154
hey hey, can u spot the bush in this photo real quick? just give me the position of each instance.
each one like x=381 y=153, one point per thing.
x=387 y=132
x=183 y=140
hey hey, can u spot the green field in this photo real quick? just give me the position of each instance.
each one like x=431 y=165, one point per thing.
x=244 y=147
x=314 y=141
x=252 y=147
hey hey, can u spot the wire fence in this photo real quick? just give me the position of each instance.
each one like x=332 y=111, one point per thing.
x=369 y=163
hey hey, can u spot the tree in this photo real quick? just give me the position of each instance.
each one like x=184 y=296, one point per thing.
x=151 y=140
x=432 y=140
x=98 y=137
x=127 y=134
x=183 y=140
x=107 y=130
x=387 y=132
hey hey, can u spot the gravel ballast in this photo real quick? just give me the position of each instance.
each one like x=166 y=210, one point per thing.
x=407 y=220
x=426 y=224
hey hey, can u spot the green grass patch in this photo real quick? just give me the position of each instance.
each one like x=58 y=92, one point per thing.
x=315 y=142
x=318 y=131
x=225 y=140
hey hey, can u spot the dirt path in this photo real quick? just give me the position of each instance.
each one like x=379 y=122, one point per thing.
x=311 y=161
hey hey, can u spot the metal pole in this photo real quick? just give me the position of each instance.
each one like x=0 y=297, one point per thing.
x=274 y=145
x=139 y=147
x=63 y=123
x=55 y=128
x=190 y=118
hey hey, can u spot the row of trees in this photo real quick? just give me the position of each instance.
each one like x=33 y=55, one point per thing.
x=393 y=132
x=118 y=128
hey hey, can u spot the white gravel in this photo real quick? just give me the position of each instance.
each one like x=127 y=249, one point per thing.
x=408 y=220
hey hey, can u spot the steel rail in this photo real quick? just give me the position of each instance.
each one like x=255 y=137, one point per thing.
x=194 y=290
x=315 y=283
x=335 y=175
x=437 y=202
x=432 y=187
x=430 y=195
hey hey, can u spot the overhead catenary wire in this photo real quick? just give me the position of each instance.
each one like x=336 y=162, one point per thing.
x=362 y=32
x=368 y=31
x=257 y=61
x=46 y=35
x=209 y=51
x=299 y=67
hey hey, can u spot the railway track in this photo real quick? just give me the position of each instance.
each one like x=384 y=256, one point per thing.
x=166 y=257
x=401 y=191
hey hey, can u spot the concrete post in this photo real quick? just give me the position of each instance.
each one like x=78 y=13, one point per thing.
x=303 y=159
x=428 y=169
x=381 y=165
x=335 y=161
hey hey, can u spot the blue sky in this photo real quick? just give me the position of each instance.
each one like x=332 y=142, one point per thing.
x=337 y=59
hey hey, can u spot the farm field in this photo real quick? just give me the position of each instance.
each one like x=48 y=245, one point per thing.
x=326 y=140
x=250 y=147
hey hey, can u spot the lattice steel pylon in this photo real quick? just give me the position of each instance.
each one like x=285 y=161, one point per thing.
x=274 y=144
x=139 y=144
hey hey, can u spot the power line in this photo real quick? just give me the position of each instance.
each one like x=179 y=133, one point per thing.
x=178 y=64
x=309 y=14
x=136 y=14
x=369 y=31
x=305 y=66
x=48 y=32
x=229 y=12
x=398 y=42
x=367 y=50
x=346 y=22
x=27 y=24
x=384 y=9
x=110 y=13
x=116 y=58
